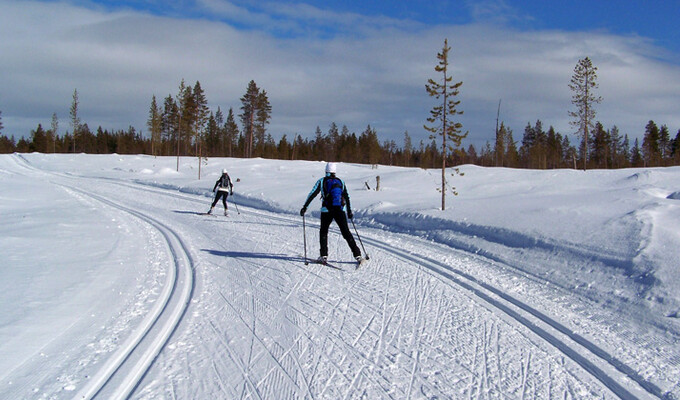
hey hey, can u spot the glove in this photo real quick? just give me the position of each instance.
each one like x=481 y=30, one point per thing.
x=350 y=215
x=303 y=210
x=231 y=193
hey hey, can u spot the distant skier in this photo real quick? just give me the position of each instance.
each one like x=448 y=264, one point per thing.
x=224 y=188
x=334 y=202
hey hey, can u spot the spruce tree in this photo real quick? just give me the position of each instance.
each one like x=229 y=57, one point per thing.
x=442 y=115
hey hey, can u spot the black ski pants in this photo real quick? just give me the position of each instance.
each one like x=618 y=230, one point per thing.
x=336 y=213
x=220 y=194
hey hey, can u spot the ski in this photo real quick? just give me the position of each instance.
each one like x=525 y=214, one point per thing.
x=327 y=264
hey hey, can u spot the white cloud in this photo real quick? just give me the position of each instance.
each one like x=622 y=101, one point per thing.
x=118 y=60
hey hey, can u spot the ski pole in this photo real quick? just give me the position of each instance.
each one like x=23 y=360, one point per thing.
x=304 y=238
x=357 y=232
x=237 y=211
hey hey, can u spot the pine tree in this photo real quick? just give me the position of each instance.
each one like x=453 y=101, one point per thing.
x=170 y=124
x=249 y=107
x=583 y=84
x=675 y=149
x=38 y=139
x=651 y=154
x=200 y=120
x=54 y=131
x=442 y=115
x=231 y=133
x=408 y=149
x=154 y=125
x=511 y=153
x=187 y=114
x=75 y=119
x=500 y=145
x=553 y=149
x=636 y=159
x=262 y=117
x=664 y=145
x=600 y=146
x=1 y=126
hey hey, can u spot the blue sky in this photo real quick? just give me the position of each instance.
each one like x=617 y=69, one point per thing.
x=655 y=19
x=352 y=63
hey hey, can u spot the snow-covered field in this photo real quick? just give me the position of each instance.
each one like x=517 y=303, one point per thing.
x=532 y=284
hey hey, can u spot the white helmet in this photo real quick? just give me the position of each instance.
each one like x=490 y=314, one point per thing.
x=331 y=168
x=224 y=171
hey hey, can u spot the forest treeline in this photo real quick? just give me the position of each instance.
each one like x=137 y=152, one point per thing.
x=183 y=125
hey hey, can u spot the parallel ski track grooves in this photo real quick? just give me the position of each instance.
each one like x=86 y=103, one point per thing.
x=172 y=307
x=183 y=267
x=509 y=305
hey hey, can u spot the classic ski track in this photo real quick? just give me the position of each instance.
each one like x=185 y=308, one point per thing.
x=169 y=312
x=548 y=329
x=569 y=343
x=162 y=320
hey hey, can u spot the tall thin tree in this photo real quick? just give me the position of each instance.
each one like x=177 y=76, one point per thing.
x=583 y=84
x=75 y=119
x=249 y=107
x=154 y=124
x=441 y=116
x=55 y=128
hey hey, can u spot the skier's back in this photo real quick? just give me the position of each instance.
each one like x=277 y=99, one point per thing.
x=334 y=203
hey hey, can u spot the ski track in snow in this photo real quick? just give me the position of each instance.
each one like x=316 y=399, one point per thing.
x=603 y=366
x=256 y=323
x=118 y=377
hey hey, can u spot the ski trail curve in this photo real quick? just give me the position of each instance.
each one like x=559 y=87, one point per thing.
x=136 y=355
x=121 y=373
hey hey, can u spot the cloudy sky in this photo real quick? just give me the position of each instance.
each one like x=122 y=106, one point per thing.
x=354 y=63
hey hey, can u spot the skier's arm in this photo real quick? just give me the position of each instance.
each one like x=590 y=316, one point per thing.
x=315 y=190
x=345 y=194
x=216 y=183
x=231 y=185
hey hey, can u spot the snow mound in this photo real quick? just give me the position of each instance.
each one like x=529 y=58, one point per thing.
x=642 y=175
x=167 y=171
x=146 y=171
x=381 y=205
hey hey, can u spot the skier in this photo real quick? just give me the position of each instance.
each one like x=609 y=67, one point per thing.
x=334 y=202
x=224 y=188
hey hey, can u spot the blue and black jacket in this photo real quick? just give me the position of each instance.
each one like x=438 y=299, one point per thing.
x=319 y=188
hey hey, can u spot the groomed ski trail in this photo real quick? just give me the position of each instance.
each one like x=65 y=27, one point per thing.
x=402 y=326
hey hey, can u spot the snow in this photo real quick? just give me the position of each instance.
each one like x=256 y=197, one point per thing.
x=545 y=284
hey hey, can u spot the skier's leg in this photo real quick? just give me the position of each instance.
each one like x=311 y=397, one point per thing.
x=326 y=219
x=217 y=197
x=224 y=200
x=341 y=220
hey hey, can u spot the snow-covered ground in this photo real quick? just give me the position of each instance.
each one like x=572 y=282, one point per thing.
x=532 y=284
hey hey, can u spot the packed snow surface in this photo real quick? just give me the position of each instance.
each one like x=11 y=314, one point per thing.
x=556 y=284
